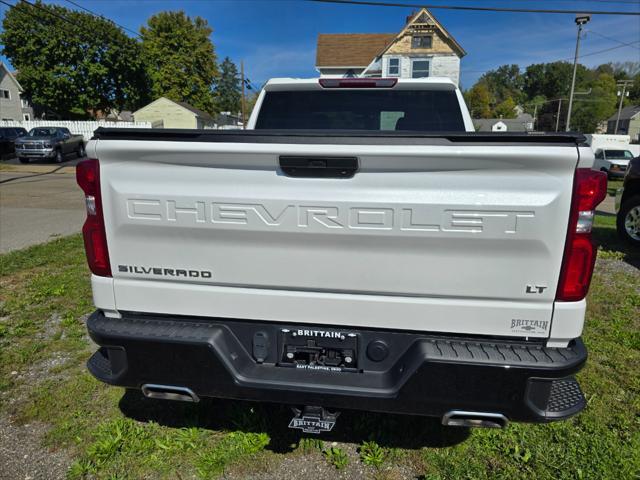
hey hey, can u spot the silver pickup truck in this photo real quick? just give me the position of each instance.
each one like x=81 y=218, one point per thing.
x=49 y=142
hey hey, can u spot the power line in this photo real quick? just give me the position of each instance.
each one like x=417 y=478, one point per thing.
x=103 y=17
x=597 y=52
x=630 y=44
x=477 y=9
x=623 y=2
x=79 y=34
x=54 y=14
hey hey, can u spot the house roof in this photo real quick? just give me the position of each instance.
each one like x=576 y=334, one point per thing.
x=626 y=113
x=11 y=76
x=423 y=15
x=350 y=49
x=360 y=49
x=200 y=113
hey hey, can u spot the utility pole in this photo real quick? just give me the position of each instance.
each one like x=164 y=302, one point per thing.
x=244 y=122
x=581 y=20
x=558 y=114
x=624 y=84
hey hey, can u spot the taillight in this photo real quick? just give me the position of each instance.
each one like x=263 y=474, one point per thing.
x=358 y=82
x=93 y=231
x=589 y=189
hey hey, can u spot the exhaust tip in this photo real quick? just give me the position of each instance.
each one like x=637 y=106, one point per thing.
x=169 y=392
x=461 y=418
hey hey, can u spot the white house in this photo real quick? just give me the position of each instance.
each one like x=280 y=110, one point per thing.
x=423 y=48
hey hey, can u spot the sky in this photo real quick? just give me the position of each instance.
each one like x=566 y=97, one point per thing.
x=278 y=38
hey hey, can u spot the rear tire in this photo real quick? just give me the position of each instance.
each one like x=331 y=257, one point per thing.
x=628 y=221
x=81 y=151
x=59 y=158
x=23 y=160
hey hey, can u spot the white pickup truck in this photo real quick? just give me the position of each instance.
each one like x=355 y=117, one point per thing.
x=358 y=246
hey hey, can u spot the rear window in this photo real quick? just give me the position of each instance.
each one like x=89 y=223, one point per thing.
x=413 y=110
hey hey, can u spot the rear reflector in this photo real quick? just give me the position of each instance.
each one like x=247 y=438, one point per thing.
x=358 y=82
x=589 y=189
x=93 y=230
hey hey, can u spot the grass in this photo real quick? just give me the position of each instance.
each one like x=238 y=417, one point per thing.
x=613 y=186
x=336 y=457
x=44 y=294
x=372 y=454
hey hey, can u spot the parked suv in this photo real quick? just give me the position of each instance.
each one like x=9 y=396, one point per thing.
x=49 y=142
x=628 y=204
x=8 y=136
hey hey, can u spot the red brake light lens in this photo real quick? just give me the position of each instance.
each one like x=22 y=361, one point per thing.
x=358 y=82
x=589 y=189
x=93 y=230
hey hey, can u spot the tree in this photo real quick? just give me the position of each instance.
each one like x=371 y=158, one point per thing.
x=506 y=109
x=479 y=101
x=552 y=80
x=634 y=91
x=250 y=103
x=597 y=106
x=504 y=82
x=73 y=68
x=228 y=87
x=180 y=59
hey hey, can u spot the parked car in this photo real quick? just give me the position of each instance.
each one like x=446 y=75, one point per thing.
x=613 y=161
x=628 y=205
x=8 y=137
x=49 y=142
x=358 y=247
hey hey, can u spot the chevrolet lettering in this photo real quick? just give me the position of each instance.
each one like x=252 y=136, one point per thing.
x=409 y=219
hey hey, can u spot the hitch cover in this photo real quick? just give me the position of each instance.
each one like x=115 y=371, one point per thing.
x=313 y=419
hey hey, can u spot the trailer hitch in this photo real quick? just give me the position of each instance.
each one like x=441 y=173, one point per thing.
x=312 y=419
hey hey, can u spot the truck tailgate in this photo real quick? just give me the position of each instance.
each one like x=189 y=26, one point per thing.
x=430 y=235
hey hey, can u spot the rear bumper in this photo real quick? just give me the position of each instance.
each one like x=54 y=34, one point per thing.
x=421 y=374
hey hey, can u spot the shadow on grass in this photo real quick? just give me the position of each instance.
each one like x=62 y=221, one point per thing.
x=389 y=431
x=608 y=239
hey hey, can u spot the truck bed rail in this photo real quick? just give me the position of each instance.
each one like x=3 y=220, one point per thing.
x=340 y=137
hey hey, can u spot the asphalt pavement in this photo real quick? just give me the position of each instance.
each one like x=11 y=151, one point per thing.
x=70 y=160
x=37 y=206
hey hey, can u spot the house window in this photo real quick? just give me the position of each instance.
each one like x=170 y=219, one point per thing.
x=25 y=103
x=420 y=68
x=393 y=69
x=421 y=41
x=26 y=117
x=5 y=94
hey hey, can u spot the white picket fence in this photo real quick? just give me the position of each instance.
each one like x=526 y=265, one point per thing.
x=85 y=128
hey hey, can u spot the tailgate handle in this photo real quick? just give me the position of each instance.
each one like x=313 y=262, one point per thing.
x=319 y=167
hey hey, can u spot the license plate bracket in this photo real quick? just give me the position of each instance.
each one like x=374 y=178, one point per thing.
x=328 y=350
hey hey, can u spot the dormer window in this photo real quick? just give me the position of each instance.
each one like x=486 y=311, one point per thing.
x=421 y=41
